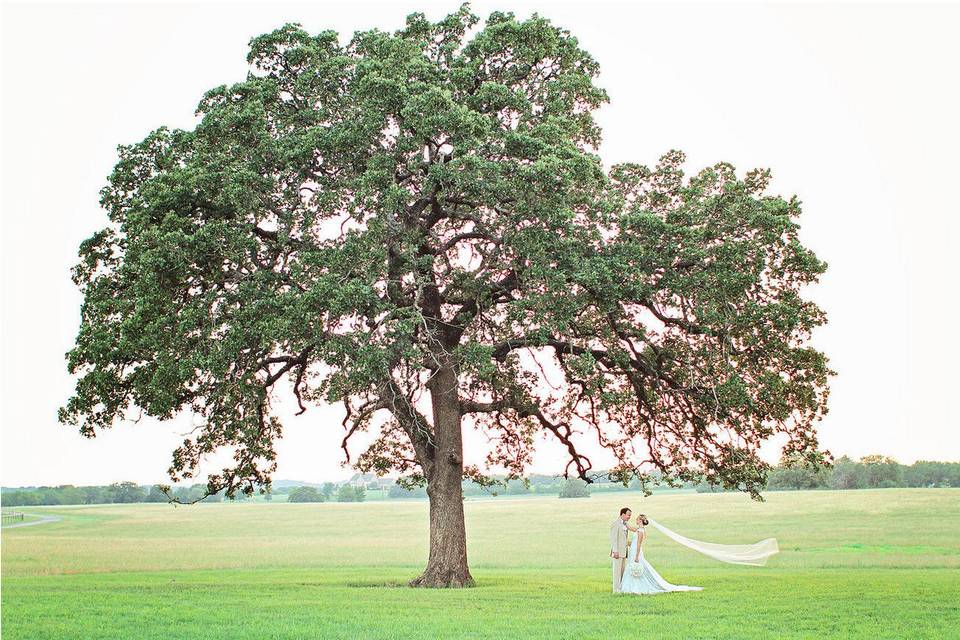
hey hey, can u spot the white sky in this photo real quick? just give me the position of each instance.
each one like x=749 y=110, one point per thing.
x=854 y=108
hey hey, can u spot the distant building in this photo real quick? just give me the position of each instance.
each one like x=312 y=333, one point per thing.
x=370 y=481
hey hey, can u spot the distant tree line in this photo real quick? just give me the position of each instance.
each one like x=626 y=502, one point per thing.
x=328 y=492
x=535 y=484
x=116 y=493
x=869 y=472
x=129 y=492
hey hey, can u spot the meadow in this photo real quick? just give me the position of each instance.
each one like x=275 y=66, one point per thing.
x=879 y=563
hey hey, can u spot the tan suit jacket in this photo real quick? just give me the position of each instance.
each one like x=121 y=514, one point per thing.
x=618 y=537
x=618 y=545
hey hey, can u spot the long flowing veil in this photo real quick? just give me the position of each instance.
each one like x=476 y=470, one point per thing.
x=755 y=554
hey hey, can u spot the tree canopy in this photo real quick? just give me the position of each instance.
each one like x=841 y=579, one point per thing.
x=418 y=225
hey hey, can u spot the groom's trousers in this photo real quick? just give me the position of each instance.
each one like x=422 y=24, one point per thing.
x=619 y=564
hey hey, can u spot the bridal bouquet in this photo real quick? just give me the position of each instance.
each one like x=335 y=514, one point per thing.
x=636 y=569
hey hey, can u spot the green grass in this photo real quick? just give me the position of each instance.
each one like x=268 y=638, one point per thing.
x=864 y=564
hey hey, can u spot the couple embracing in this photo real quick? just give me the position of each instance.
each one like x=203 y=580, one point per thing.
x=633 y=574
x=631 y=571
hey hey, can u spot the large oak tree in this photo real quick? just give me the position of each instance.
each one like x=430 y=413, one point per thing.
x=417 y=225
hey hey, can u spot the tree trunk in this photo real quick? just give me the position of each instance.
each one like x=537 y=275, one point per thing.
x=447 y=565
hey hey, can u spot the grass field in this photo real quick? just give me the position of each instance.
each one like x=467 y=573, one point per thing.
x=858 y=564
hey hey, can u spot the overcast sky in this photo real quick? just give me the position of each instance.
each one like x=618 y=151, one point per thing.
x=853 y=107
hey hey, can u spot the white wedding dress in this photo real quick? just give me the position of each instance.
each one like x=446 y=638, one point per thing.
x=640 y=577
x=646 y=580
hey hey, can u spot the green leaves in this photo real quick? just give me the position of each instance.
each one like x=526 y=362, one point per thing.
x=352 y=219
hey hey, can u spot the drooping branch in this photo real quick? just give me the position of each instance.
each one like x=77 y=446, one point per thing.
x=354 y=422
x=413 y=422
x=563 y=432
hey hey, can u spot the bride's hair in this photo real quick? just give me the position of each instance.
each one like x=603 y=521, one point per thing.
x=642 y=518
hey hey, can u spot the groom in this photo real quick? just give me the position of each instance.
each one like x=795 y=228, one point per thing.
x=618 y=546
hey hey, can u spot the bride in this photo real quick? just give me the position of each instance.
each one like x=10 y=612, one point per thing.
x=640 y=577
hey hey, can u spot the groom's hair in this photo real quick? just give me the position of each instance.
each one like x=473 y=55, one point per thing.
x=624 y=510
